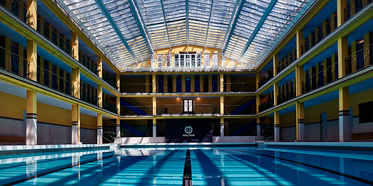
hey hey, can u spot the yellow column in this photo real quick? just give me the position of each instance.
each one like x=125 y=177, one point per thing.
x=257 y=103
x=192 y=85
x=75 y=45
x=182 y=83
x=32 y=8
x=75 y=124
x=300 y=41
x=333 y=66
x=99 y=128
x=201 y=83
x=8 y=57
x=210 y=83
x=118 y=82
x=165 y=83
x=275 y=94
x=32 y=58
x=228 y=82
x=300 y=121
x=367 y=39
x=325 y=68
x=99 y=66
x=118 y=104
x=64 y=80
x=344 y=125
x=75 y=80
x=341 y=4
x=154 y=105
x=99 y=96
x=221 y=77
x=21 y=52
x=299 y=76
x=221 y=105
x=276 y=120
x=174 y=83
x=31 y=118
x=147 y=84
x=154 y=83
x=275 y=64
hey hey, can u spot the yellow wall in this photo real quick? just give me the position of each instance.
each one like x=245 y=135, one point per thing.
x=13 y=107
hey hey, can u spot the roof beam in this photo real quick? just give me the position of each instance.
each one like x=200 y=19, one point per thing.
x=259 y=25
x=187 y=19
x=140 y=23
x=234 y=19
x=208 y=25
x=165 y=23
x=112 y=23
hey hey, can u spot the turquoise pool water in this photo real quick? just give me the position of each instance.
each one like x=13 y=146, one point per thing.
x=189 y=166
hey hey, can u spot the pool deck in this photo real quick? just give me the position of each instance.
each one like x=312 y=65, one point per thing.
x=12 y=149
x=323 y=145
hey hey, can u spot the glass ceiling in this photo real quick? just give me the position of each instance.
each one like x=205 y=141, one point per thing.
x=128 y=31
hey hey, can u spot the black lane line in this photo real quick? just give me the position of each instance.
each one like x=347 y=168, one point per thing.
x=187 y=178
x=320 y=168
x=46 y=173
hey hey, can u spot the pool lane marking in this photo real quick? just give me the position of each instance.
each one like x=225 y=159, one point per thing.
x=187 y=177
x=316 y=167
x=60 y=169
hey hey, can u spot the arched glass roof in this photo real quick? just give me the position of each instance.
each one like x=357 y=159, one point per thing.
x=129 y=31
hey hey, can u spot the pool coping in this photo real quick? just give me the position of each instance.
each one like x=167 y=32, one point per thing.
x=12 y=149
x=366 y=146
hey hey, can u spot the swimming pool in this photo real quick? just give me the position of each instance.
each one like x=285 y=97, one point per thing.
x=189 y=166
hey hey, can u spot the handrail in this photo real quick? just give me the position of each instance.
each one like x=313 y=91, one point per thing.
x=356 y=5
x=56 y=38
x=19 y=10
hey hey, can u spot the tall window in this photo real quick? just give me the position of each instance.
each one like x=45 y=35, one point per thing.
x=207 y=60
x=160 y=60
x=188 y=106
x=215 y=60
x=365 y=112
x=168 y=60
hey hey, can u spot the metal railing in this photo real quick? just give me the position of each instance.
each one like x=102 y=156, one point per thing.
x=88 y=98
x=136 y=87
x=323 y=77
x=197 y=109
x=54 y=81
x=354 y=6
x=136 y=110
x=239 y=87
x=55 y=37
x=89 y=64
x=239 y=109
x=286 y=61
x=266 y=105
x=109 y=106
x=320 y=34
x=17 y=9
x=266 y=79
x=286 y=96
x=110 y=81
x=359 y=60
x=13 y=63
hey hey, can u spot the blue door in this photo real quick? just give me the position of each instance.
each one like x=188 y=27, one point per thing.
x=196 y=84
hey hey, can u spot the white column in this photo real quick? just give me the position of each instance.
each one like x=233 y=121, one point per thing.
x=99 y=134
x=31 y=129
x=221 y=126
x=344 y=126
x=277 y=132
x=302 y=131
x=154 y=128
x=74 y=134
